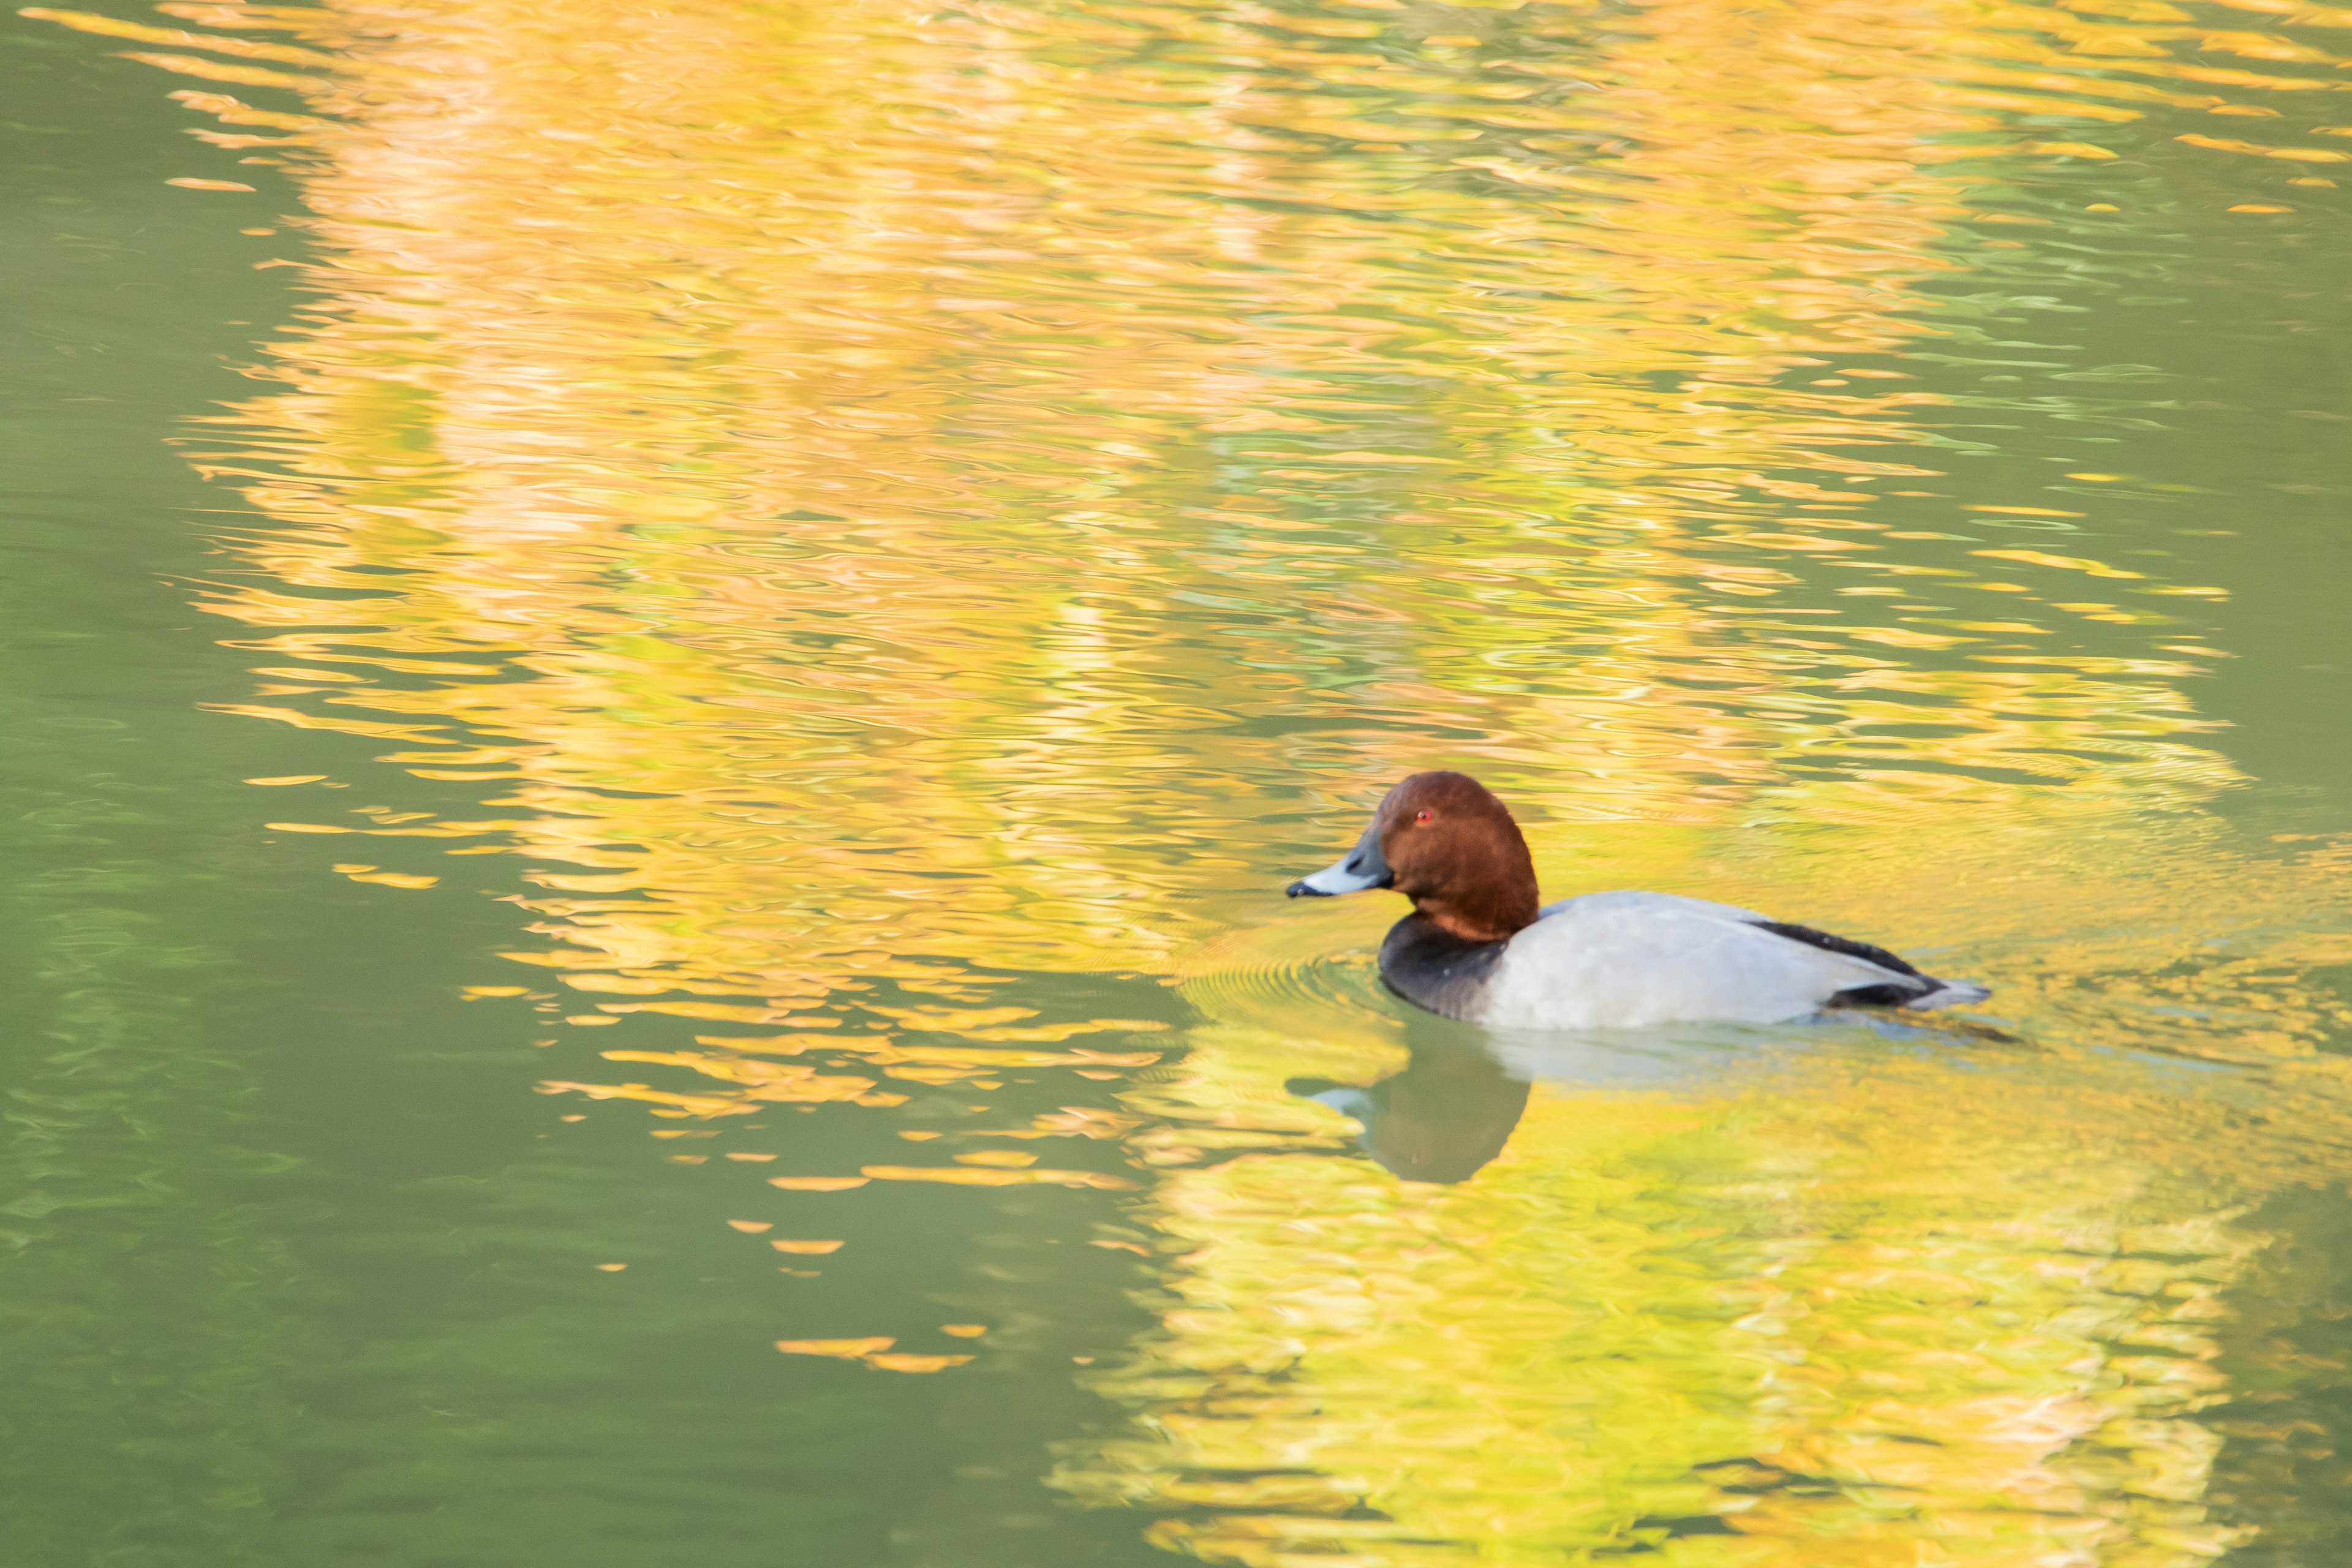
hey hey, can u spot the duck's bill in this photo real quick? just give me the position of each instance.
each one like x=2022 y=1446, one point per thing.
x=1362 y=867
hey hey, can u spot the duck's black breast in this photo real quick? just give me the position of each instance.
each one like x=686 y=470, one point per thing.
x=1431 y=967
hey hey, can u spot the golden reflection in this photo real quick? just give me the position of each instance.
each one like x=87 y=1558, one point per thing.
x=1873 y=1313
x=888 y=503
x=823 y=507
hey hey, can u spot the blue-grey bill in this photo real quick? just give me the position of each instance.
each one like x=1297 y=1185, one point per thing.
x=1362 y=867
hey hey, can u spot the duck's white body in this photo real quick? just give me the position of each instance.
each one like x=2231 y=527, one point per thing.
x=1624 y=960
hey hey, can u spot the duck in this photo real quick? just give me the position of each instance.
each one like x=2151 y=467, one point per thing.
x=1477 y=946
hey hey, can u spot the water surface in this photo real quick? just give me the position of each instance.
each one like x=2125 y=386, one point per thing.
x=665 y=662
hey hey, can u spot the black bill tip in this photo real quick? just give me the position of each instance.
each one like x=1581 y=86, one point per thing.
x=1301 y=890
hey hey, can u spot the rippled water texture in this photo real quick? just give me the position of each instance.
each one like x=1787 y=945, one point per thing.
x=818 y=566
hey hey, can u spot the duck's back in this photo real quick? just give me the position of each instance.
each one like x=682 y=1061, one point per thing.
x=1623 y=960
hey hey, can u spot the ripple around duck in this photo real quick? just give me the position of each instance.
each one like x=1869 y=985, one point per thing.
x=1314 y=975
x=1315 y=981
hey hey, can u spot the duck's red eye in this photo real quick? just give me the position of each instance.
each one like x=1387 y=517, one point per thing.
x=1420 y=816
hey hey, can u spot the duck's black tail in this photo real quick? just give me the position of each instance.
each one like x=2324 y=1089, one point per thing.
x=1904 y=987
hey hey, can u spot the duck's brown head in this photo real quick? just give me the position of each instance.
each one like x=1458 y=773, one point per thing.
x=1442 y=840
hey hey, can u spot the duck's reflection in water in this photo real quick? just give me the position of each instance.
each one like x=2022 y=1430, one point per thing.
x=1452 y=1107
x=1441 y=1119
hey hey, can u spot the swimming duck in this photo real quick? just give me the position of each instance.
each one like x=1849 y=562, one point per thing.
x=1477 y=948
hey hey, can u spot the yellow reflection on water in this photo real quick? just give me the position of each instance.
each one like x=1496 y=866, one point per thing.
x=1891 y=1314
x=892 y=505
x=883 y=484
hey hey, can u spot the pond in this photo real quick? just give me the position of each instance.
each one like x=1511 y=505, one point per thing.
x=667 y=661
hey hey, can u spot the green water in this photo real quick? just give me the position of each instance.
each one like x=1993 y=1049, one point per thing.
x=794 y=577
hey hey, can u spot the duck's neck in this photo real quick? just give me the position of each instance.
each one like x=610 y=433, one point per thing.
x=1498 y=912
x=1430 y=966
